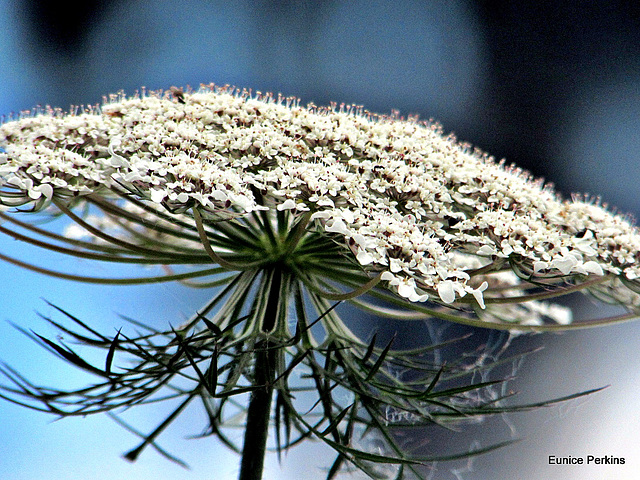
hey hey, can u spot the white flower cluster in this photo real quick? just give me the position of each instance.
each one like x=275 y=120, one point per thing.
x=406 y=200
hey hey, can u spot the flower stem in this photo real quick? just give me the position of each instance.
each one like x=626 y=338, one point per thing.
x=264 y=374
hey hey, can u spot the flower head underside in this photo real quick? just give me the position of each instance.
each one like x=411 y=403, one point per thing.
x=261 y=181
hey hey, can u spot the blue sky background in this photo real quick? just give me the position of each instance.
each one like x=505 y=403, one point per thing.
x=554 y=89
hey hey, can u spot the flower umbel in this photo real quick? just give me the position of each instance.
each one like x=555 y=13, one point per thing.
x=439 y=221
x=289 y=208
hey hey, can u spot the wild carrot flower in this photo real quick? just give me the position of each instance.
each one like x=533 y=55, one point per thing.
x=289 y=208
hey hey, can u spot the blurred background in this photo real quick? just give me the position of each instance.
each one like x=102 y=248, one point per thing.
x=551 y=86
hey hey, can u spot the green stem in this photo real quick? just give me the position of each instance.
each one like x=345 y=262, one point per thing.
x=264 y=374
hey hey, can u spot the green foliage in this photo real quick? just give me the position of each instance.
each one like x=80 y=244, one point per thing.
x=347 y=395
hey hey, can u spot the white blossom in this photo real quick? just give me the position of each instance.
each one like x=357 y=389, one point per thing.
x=402 y=197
